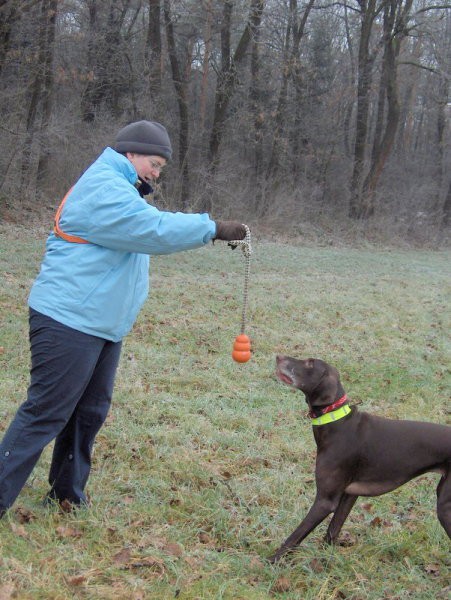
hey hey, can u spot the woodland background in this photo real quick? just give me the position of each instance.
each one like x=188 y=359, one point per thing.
x=308 y=117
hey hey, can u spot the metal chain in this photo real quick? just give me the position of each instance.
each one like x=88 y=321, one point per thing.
x=245 y=245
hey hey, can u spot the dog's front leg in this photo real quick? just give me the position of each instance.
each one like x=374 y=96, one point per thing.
x=321 y=508
x=340 y=515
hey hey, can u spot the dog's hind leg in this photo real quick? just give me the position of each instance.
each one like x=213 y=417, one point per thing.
x=444 y=502
x=340 y=515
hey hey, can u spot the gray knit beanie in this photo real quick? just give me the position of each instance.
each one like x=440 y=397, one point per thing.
x=144 y=137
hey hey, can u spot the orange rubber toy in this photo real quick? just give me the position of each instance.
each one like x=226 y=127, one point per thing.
x=241 y=348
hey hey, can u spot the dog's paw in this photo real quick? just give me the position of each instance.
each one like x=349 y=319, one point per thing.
x=274 y=558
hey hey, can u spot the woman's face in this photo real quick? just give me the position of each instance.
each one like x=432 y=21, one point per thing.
x=147 y=167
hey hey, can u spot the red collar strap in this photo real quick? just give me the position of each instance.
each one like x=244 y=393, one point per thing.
x=322 y=411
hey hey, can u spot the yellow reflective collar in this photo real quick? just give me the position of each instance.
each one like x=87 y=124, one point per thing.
x=333 y=416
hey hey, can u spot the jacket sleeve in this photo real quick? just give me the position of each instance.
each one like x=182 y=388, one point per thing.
x=117 y=217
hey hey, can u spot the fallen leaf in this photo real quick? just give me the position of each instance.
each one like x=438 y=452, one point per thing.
x=76 y=580
x=173 y=549
x=6 y=591
x=68 y=532
x=193 y=562
x=122 y=557
x=281 y=585
x=138 y=523
x=316 y=565
x=256 y=563
x=432 y=569
x=19 y=530
x=24 y=516
x=346 y=539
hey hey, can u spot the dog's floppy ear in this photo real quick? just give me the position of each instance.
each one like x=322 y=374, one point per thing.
x=329 y=388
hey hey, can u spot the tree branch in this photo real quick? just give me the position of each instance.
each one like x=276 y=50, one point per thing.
x=426 y=68
x=436 y=7
x=341 y=4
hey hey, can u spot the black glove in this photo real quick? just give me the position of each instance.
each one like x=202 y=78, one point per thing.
x=230 y=231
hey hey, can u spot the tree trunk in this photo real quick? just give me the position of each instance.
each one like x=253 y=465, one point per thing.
x=446 y=213
x=39 y=95
x=8 y=15
x=256 y=107
x=47 y=92
x=227 y=78
x=365 y=64
x=290 y=70
x=180 y=81
x=205 y=65
x=89 y=99
x=11 y=11
x=394 y=32
x=103 y=58
x=226 y=83
x=407 y=114
x=349 y=108
x=222 y=85
x=443 y=176
x=154 y=61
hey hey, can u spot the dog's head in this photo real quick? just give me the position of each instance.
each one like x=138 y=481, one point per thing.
x=319 y=381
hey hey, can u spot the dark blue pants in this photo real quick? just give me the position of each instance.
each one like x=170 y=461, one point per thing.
x=71 y=385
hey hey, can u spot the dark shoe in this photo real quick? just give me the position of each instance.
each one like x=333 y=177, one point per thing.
x=64 y=505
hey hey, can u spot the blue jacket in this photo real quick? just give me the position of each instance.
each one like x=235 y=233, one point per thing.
x=98 y=288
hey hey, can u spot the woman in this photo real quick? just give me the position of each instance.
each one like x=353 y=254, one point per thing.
x=91 y=286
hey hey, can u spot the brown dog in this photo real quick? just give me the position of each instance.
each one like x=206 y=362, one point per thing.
x=359 y=454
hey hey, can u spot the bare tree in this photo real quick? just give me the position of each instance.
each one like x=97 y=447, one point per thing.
x=318 y=108
x=229 y=64
x=291 y=71
x=255 y=97
x=369 y=10
x=395 y=19
x=39 y=107
x=180 y=78
x=154 y=58
x=107 y=57
x=11 y=11
x=47 y=91
x=206 y=62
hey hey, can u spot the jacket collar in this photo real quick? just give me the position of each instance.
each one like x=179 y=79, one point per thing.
x=120 y=163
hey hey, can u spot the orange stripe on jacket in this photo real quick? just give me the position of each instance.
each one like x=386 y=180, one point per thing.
x=57 y=229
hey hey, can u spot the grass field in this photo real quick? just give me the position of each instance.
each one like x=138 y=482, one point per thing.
x=204 y=466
